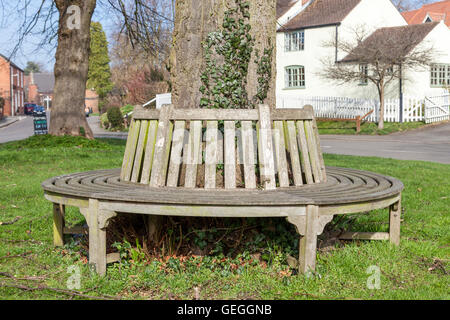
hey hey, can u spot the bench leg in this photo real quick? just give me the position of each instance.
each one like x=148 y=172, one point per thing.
x=98 y=222
x=395 y=212
x=58 y=224
x=308 y=243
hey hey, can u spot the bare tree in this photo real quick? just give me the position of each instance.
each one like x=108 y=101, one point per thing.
x=381 y=58
x=69 y=21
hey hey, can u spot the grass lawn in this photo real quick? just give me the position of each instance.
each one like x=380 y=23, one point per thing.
x=367 y=128
x=418 y=269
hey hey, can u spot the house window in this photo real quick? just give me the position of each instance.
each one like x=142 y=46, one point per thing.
x=440 y=75
x=294 y=41
x=364 y=72
x=295 y=77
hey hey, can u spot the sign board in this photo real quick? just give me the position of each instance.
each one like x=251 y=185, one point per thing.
x=162 y=99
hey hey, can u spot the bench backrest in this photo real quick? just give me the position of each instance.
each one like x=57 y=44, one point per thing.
x=213 y=149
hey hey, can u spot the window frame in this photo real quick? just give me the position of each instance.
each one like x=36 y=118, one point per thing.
x=364 y=74
x=439 y=75
x=300 y=75
x=294 y=46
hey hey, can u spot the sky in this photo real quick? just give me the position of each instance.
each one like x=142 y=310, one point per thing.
x=11 y=17
x=31 y=49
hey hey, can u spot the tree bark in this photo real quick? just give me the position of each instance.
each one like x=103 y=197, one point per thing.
x=194 y=20
x=71 y=69
x=263 y=19
x=381 y=120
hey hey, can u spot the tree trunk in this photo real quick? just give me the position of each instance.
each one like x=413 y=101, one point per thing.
x=71 y=68
x=194 y=20
x=263 y=19
x=381 y=120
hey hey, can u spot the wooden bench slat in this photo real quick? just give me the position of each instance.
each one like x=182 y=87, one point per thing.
x=139 y=151
x=175 y=154
x=230 y=155
x=130 y=151
x=248 y=154
x=149 y=151
x=194 y=152
x=267 y=161
x=162 y=148
x=322 y=170
x=225 y=114
x=294 y=153
x=312 y=151
x=211 y=155
x=304 y=151
x=280 y=154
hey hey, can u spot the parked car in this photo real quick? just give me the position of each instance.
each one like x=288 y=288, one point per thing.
x=29 y=108
x=38 y=109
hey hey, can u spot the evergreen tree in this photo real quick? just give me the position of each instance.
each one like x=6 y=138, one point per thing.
x=99 y=76
x=32 y=67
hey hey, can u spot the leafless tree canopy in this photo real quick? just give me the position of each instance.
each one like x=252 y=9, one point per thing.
x=147 y=23
x=380 y=57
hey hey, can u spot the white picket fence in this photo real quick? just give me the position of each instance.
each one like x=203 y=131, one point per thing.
x=437 y=108
x=414 y=109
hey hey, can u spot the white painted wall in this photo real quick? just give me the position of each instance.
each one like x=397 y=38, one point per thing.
x=368 y=14
x=418 y=82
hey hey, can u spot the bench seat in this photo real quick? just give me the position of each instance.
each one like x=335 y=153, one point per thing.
x=343 y=186
x=224 y=163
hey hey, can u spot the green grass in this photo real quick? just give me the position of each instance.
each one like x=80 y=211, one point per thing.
x=367 y=128
x=418 y=269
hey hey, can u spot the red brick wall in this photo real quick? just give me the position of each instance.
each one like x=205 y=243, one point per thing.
x=5 y=86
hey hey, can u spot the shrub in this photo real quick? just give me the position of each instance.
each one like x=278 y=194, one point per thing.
x=115 y=117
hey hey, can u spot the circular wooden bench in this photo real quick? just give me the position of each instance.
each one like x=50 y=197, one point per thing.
x=164 y=156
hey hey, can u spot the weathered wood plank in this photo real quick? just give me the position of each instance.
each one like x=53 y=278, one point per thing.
x=248 y=151
x=193 y=152
x=305 y=152
x=312 y=147
x=139 y=151
x=291 y=134
x=364 y=236
x=224 y=114
x=212 y=137
x=280 y=154
x=308 y=243
x=175 y=155
x=162 y=148
x=267 y=161
x=130 y=151
x=58 y=224
x=230 y=155
x=395 y=212
x=323 y=173
x=149 y=151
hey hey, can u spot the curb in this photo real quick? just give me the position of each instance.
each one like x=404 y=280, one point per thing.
x=9 y=123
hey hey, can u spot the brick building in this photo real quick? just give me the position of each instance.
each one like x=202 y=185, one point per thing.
x=11 y=87
x=39 y=90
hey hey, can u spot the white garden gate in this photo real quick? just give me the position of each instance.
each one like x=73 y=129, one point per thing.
x=437 y=108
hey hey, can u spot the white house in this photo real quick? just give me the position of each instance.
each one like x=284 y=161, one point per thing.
x=305 y=27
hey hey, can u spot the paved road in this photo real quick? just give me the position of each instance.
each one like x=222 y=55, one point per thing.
x=19 y=130
x=427 y=144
